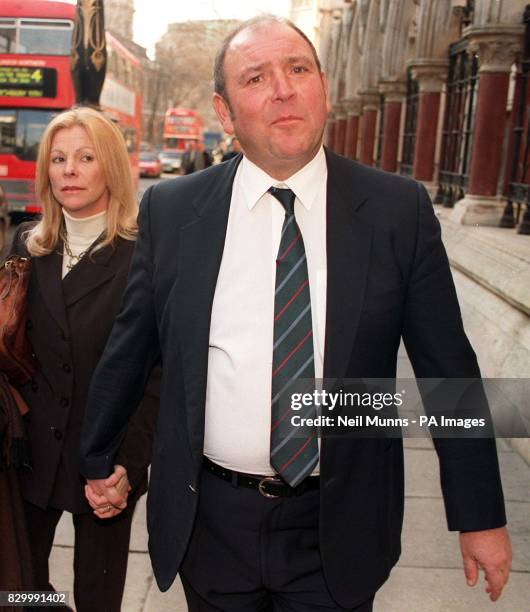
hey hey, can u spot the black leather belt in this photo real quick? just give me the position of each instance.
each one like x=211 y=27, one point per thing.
x=268 y=486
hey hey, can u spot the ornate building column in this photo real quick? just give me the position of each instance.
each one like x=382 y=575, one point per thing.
x=324 y=47
x=370 y=105
x=394 y=94
x=351 y=100
x=371 y=27
x=431 y=75
x=353 y=111
x=329 y=138
x=339 y=138
x=497 y=47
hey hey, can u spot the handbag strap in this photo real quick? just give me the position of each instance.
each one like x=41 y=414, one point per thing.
x=14 y=265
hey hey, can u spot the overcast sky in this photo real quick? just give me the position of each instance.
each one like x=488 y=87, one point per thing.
x=152 y=16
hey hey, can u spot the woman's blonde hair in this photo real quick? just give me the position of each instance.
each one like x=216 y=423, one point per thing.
x=112 y=156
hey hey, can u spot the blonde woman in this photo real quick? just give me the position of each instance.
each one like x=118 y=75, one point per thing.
x=81 y=249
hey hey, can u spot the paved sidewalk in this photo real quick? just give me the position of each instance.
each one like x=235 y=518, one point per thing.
x=428 y=578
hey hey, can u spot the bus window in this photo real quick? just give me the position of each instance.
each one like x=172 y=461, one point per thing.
x=129 y=134
x=182 y=120
x=45 y=38
x=7 y=131
x=30 y=125
x=7 y=36
x=172 y=143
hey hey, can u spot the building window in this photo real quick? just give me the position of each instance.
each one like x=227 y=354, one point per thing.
x=457 y=133
x=409 y=132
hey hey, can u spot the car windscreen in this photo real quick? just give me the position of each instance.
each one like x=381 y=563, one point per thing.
x=148 y=157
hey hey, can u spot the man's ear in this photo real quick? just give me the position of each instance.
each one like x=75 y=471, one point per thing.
x=223 y=113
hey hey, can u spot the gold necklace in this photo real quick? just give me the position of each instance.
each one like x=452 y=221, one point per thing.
x=74 y=259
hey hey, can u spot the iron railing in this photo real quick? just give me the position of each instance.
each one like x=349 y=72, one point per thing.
x=459 y=118
x=519 y=186
x=411 y=120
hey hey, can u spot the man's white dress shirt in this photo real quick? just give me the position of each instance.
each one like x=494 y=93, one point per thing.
x=238 y=394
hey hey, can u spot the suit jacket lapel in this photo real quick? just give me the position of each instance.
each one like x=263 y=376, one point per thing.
x=92 y=271
x=348 y=243
x=200 y=251
x=48 y=274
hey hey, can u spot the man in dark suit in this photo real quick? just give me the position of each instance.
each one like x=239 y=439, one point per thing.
x=290 y=262
x=235 y=150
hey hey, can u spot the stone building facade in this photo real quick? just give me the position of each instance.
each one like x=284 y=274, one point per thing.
x=440 y=90
x=185 y=56
x=430 y=88
x=305 y=14
x=180 y=74
x=149 y=80
x=119 y=17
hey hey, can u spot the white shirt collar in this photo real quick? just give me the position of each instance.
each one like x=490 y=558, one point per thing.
x=255 y=182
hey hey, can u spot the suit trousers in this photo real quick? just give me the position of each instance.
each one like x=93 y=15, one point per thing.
x=100 y=555
x=249 y=553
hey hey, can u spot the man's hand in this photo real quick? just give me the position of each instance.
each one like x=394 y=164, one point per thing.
x=108 y=496
x=492 y=551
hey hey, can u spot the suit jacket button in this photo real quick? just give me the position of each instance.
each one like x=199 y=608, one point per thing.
x=67 y=368
x=57 y=433
x=65 y=402
x=192 y=488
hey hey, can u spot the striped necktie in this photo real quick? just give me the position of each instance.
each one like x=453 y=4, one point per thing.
x=294 y=450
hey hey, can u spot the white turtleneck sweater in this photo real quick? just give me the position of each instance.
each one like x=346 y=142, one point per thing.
x=80 y=234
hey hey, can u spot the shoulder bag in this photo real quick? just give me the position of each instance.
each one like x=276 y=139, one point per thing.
x=16 y=358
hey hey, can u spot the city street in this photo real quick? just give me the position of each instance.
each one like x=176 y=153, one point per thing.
x=400 y=133
x=143 y=185
x=428 y=578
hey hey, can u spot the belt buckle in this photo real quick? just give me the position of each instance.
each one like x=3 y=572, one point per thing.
x=262 y=483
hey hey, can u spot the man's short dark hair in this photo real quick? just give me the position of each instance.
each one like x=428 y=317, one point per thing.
x=218 y=67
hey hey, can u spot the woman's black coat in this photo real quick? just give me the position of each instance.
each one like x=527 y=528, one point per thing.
x=68 y=324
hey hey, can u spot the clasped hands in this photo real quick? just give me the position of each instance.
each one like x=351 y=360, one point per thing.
x=489 y=549
x=108 y=496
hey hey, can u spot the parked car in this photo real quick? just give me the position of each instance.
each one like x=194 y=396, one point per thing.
x=171 y=160
x=4 y=218
x=149 y=164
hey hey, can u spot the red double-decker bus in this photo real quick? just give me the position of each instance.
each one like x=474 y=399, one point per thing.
x=182 y=129
x=120 y=97
x=35 y=84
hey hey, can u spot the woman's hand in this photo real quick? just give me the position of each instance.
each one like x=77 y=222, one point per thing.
x=108 y=496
